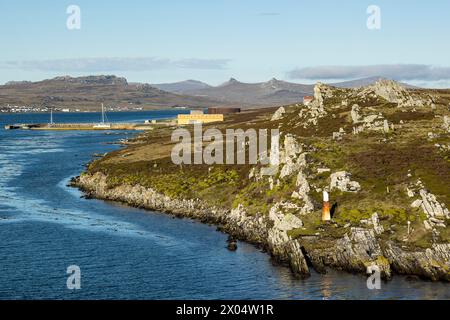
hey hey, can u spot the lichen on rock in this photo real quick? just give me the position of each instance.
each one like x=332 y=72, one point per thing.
x=342 y=181
x=278 y=115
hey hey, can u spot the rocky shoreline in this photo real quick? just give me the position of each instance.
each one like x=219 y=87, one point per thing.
x=358 y=249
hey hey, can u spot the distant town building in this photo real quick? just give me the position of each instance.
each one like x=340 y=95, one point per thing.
x=225 y=110
x=184 y=119
x=197 y=112
x=307 y=100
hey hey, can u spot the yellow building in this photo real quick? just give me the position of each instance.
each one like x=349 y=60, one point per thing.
x=184 y=119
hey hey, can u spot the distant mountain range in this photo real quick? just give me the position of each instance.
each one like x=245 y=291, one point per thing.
x=87 y=93
x=272 y=92
x=182 y=86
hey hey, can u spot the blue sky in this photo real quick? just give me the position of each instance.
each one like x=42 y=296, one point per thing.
x=166 y=41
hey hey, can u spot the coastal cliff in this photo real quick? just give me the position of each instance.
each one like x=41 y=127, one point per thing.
x=235 y=222
x=382 y=152
x=353 y=252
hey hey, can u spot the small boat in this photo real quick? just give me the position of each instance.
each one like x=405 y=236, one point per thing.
x=103 y=124
x=12 y=127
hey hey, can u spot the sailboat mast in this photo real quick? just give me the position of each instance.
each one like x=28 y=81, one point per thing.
x=103 y=114
x=51 y=116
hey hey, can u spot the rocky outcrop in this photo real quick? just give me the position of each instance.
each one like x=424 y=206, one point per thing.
x=339 y=135
x=269 y=232
x=361 y=248
x=432 y=207
x=393 y=92
x=433 y=263
x=318 y=93
x=303 y=193
x=436 y=213
x=278 y=115
x=342 y=181
x=446 y=124
x=354 y=252
x=101 y=79
x=322 y=92
x=377 y=227
x=356 y=114
x=291 y=157
x=316 y=109
x=389 y=90
x=294 y=161
x=280 y=244
x=374 y=122
x=386 y=127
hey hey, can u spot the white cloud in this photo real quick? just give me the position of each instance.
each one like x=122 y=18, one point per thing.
x=113 y=64
x=419 y=72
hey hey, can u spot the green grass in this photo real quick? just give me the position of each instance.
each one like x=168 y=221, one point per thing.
x=376 y=160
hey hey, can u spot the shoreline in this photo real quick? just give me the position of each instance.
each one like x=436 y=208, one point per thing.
x=240 y=226
x=92 y=111
x=353 y=253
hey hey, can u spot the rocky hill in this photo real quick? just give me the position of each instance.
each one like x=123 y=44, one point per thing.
x=87 y=93
x=182 y=87
x=382 y=152
x=272 y=92
x=365 y=82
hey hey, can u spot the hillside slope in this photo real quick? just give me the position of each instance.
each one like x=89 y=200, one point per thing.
x=382 y=152
x=182 y=87
x=87 y=93
x=270 y=93
x=273 y=92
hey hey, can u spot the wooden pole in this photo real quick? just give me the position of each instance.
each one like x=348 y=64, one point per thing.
x=326 y=216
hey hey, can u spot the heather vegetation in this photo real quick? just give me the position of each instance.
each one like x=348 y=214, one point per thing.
x=393 y=147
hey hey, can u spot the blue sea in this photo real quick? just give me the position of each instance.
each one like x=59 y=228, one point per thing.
x=128 y=253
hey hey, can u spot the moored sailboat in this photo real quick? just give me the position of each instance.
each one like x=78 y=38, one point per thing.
x=103 y=124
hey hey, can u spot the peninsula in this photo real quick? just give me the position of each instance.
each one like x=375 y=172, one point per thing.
x=382 y=152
